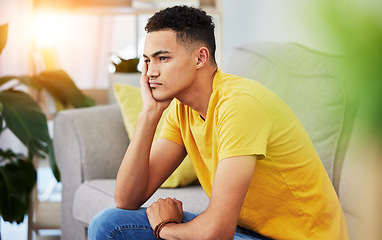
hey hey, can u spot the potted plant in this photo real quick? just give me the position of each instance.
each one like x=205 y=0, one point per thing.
x=125 y=71
x=22 y=115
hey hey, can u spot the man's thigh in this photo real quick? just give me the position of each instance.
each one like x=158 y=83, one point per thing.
x=116 y=224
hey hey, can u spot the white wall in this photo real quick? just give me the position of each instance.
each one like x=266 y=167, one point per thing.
x=269 y=20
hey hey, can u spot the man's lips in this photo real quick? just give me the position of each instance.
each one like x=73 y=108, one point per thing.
x=154 y=84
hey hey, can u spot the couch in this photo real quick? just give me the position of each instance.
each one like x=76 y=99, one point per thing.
x=90 y=143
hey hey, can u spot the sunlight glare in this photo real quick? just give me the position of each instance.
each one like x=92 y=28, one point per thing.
x=49 y=30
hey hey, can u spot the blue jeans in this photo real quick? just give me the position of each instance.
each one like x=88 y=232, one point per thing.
x=118 y=224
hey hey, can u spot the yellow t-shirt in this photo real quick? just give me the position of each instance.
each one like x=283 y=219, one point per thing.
x=290 y=195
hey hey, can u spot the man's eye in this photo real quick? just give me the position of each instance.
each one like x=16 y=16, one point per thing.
x=147 y=61
x=162 y=58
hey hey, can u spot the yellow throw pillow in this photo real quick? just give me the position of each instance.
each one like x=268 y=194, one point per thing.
x=130 y=103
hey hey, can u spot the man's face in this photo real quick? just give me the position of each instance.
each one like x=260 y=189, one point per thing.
x=171 y=68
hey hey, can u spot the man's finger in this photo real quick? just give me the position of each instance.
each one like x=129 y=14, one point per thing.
x=179 y=205
x=144 y=77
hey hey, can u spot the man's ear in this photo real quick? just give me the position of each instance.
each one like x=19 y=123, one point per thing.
x=203 y=57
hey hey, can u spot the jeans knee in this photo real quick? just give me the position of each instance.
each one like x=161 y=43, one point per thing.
x=99 y=225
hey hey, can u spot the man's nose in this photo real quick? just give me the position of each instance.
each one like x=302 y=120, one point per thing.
x=152 y=70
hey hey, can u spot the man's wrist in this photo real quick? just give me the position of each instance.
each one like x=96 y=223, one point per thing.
x=161 y=225
x=151 y=114
x=149 y=118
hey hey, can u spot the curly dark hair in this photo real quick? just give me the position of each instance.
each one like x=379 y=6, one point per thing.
x=192 y=26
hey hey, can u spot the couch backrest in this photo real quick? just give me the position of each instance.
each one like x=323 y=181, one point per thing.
x=311 y=84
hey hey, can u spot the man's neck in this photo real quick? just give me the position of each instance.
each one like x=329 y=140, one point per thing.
x=198 y=97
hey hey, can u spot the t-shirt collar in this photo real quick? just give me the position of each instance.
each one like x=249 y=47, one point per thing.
x=216 y=78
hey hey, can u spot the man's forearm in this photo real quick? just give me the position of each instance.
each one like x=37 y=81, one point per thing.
x=204 y=226
x=220 y=220
x=133 y=174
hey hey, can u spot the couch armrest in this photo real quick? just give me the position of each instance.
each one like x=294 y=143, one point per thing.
x=89 y=143
x=85 y=139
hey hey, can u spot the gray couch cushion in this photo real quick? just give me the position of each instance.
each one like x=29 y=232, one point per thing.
x=98 y=194
x=311 y=85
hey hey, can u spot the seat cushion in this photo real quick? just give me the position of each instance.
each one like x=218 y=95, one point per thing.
x=99 y=194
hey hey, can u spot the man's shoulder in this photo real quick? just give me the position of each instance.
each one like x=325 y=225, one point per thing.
x=229 y=87
x=228 y=83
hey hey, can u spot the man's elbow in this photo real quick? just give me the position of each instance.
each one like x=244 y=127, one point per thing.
x=124 y=203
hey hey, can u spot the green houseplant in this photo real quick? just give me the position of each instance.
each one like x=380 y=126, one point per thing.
x=22 y=115
x=126 y=72
x=126 y=65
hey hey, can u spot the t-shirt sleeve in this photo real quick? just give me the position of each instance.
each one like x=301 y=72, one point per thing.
x=170 y=129
x=243 y=127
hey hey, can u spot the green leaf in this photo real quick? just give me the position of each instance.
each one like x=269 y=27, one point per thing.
x=62 y=88
x=53 y=163
x=21 y=79
x=29 y=172
x=129 y=65
x=3 y=36
x=5 y=198
x=24 y=117
x=1 y=118
x=17 y=179
x=6 y=79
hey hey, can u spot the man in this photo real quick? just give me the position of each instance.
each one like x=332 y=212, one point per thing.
x=252 y=156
